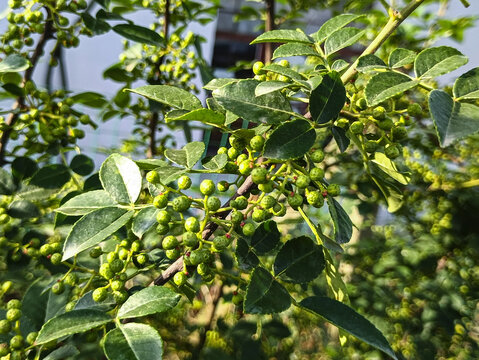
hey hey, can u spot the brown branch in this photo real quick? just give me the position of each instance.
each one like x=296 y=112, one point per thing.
x=210 y=228
x=20 y=102
x=269 y=25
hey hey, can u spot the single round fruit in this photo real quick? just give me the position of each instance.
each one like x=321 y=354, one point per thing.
x=213 y=203
x=172 y=254
x=391 y=151
x=160 y=201
x=244 y=167
x=58 y=288
x=71 y=279
x=180 y=278
x=315 y=198
x=16 y=342
x=236 y=217
x=258 y=215
x=379 y=113
x=233 y=154
x=184 y=182
x=237 y=143
x=153 y=177
x=333 y=189
x=31 y=337
x=56 y=259
x=163 y=217
x=295 y=200
x=317 y=156
x=5 y=326
x=248 y=229
x=259 y=175
x=14 y=304
x=220 y=243
x=223 y=186
x=370 y=146
x=105 y=271
x=207 y=187
x=362 y=104
x=386 y=124
x=257 y=143
x=316 y=174
x=162 y=229
x=95 y=252
x=258 y=68
x=192 y=224
x=240 y=203
x=302 y=181
x=190 y=239
x=142 y=259
x=99 y=294
x=268 y=202
x=203 y=269
x=181 y=203
x=398 y=133
x=112 y=255
x=267 y=187
x=414 y=110
x=357 y=127
x=117 y=285
x=169 y=242
x=120 y=296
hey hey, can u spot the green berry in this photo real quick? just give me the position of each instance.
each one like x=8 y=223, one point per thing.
x=342 y=123
x=213 y=203
x=391 y=151
x=415 y=110
x=70 y=306
x=333 y=189
x=117 y=265
x=258 y=215
x=317 y=156
x=4 y=349
x=135 y=246
x=244 y=167
x=237 y=299
x=112 y=255
x=398 y=133
x=160 y=201
x=267 y=187
x=163 y=217
x=356 y=127
x=14 y=304
x=257 y=143
x=379 y=113
x=192 y=224
x=248 y=229
x=31 y=337
x=362 y=104
x=172 y=254
x=259 y=175
x=117 y=285
x=295 y=200
x=302 y=181
x=180 y=278
x=169 y=242
x=105 y=271
x=153 y=177
x=207 y=187
x=197 y=257
x=370 y=146
x=58 y=288
x=162 y=229
x=120 y=296
x=6 y=286
x=268 y=202
x=190 y=239
x=258 y=68
x=222 y=150
x=240 y=203
x=181 y=203
x=95 y=252
x=220 y=243
x=223 y=186
x=5 y=326
x=386 y=124
x=236 y=217
x=71 y=279
x=99 y=294
x=142 y=259
x=184 y=182
x=203 y=269
x=237 y=143
x=233 y=153
x=315 y=198
x=316 y=174
x=16 y=342
x=56 y=258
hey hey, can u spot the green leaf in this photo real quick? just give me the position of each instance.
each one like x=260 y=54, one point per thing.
x=189 y=154
x=438 y=61
x=245 y=255
x=283 y=70
x=294 y=49
x=82 y=165
x=51 y=177
x=240 y=99
x=349 y=320
x=85 y=203
x=300 y=260
x=328 y=98
x=343 y=227
x=264 y=295
x=340 y=137
x=139 y=34
x=96 y=26
x=342 y=38
x=7 y=186
x=401 y=57
x=14 y=63
x=169 y=95
x=339 y=65
x=30 y=192
x=453 y=120
x=23 y=209
x=169 y=173
x=370 y=62
x=217 y=83
x=133 y=341
x=71 y=323
x=34 y=302
x=93 y=228
x=62 y=353
x=265 y=238
x=391 y=192
x=283 y=36
x=390 y=168
x=383 y=86
x=290 y=140
x=150 y=164
x=90 y=98
x=150 y=300
x=333 y=25
x=266 y=87
x=23 y=167
x=206 y=116
x=121 y=178
x=144 y=220
x=216 y=162
x=467 y=85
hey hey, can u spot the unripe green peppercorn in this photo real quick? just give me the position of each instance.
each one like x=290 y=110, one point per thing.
x=248 y=229
x=31 y=337
x=16 y=342
x=267 y=187
x=163 y=217
x=223 y=186
x=258 y=215
x=370 y=146
x=5 y=326
x=190 y=239
x=160 y=201
x=184 y=182
x=316 y=174
x=169 y=242
x=162 y=229
x=259 y=175
x=117 y=285
x=237 y=143
x=58 y=288
x=415 y=110
x=181 y=203
x=120 y=296
x=14 y=304
x=317 y=156
x=386 y=124
x=192 y=224
x=172 y=254
x=105 y=271
x=213 y=203
x=142 y=259
x=295 y=200
x=357 y=127
x=56 y=258
x=180 y=278
x=391 y=151
x=302 y=181
x=257 y=143
x=4 y=349
x=333 y=189
x=233 y=153
x=245 y=167
x=315 y=198
x=207 y=187
x=95 y=252
x=236 y=217
x=258 y=68
x=268 y=202
x=240 y=203
x=99 y=294
x=153 y=177
x=379 y=113
x=220 y=243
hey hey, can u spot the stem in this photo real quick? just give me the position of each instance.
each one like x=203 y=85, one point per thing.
x=269 y=25
x=395 y=20
x=20 y=102
x=465 y=3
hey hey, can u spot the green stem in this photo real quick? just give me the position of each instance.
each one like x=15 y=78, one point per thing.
x=395 y=20
x=465 y=3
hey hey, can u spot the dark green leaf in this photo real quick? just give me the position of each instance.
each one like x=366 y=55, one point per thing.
x=87 y=302
x=71 y=323
x=133 y=341
x=401 y=57
x=339 y=65
x=23 y=167
x=294 y=49
x=438 y=61
x=385 y=85
x=82 y=165
x=206 y=116
x=121 y=178
x=217 y=83
x=139 y=34
x=368 y=63
x=14 y=89
x=283 y=70
x=342 y=38
x=7 y=186
x=34 y=302
x=216 y=162
x=349 y=320
x=188 y=156
x=328 y=98
x=96 y=26
x=343 y=227
x=240 y=99
x=245 y=255
x=93 y=228
x=14 y=63
x=91 y=99
x=283 y=36
x=169 y=95
x=23 y=209
x=467 y=85
x=264 y=295
x=51 y=177
x=391 y=192
x=169 y=173
x=332 y=25
x=265 y=238
x=340 y=137
x=150 y=300
x=144 y=220
x=266 y=87
x=290 y=140
x=300 y=260
x=66 y=351
x=453 y=120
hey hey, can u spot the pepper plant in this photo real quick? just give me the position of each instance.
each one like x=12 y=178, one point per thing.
x=126 y=244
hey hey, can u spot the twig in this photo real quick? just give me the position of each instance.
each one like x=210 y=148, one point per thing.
x=269 y=25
